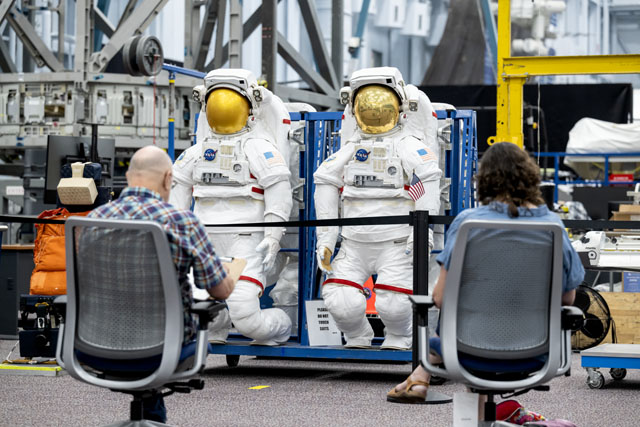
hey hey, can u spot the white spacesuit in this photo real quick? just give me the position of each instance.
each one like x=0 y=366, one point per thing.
x=237 y=173
x=386 y=166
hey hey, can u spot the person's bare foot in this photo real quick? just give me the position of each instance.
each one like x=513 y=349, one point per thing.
x=417 y=388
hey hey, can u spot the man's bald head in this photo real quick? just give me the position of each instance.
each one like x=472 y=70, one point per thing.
x=150 y=167
x=150 y=159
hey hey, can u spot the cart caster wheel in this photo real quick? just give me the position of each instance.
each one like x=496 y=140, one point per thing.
x=232 y=360
x=618 y=373
x=595 y=380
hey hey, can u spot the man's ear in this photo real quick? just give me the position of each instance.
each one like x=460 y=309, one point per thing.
x=168 y=177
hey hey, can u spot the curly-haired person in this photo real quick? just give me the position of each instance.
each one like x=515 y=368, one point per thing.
x=508 y=188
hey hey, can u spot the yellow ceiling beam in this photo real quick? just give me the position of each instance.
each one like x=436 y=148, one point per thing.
x=552 y=65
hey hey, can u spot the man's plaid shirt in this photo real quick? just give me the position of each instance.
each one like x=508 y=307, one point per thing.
x=187 y=238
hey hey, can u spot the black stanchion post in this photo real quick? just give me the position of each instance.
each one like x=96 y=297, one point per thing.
x=420 y=222
x=94 y=144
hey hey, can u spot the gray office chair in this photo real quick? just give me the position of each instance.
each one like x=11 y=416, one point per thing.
x=502 y=324
x=124 y=322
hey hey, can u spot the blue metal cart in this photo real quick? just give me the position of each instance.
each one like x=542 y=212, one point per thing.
x=321 y=139
x=617 y=357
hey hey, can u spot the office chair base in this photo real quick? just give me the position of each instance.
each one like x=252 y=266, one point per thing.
x=437 y=398
x=139 y=423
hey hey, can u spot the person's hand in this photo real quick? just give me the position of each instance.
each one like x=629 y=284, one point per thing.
x=324 y=259
x=269 y=248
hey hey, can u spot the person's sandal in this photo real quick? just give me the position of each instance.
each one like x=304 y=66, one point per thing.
x=407 y=395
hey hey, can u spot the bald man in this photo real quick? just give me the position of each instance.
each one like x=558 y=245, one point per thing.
x=146 y=198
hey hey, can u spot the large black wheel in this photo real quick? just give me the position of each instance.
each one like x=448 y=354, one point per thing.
x=596 y=380
x=618 y=373
x=233 y=360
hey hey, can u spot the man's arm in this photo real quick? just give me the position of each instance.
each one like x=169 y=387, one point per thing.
x=208 y=271
x=438 y=291
x=568 y=297
x=223 y=289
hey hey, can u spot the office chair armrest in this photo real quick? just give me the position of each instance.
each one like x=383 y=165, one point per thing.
x=422 y=304
x=572 y=318
x=206 y=312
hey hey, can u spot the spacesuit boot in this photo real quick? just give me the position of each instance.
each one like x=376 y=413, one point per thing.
x=267 y=327
x=395 y=310
x=347 y=306
x=285 y=292
x=218 y=330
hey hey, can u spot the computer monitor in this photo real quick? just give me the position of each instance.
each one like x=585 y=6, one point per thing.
x=69 y=149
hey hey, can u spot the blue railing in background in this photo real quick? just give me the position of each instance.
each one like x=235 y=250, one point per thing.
x=605 y=158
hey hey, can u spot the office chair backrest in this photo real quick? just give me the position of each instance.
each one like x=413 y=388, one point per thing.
x=502 y=296
x=510 y=272
x=123 y=285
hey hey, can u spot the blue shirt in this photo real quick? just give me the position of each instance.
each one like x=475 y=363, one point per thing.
x=188 y=241
x=573 y=271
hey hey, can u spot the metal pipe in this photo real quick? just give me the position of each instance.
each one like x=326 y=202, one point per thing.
x=172 y=108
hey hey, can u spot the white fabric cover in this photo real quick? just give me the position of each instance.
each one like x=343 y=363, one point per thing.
x=597 y=136
x=592 y=135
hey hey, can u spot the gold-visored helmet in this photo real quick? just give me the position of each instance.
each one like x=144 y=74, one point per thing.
x=227 y=111
x=376 y=109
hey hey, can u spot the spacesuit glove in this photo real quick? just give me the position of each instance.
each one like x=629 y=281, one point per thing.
x=269 y=248
x=409 y=247
x=323 y=254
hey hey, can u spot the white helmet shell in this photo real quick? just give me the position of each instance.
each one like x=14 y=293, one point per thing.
x=240 y=80
x=384 y=76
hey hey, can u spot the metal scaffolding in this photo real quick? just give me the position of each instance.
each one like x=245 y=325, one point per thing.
x=203 y=32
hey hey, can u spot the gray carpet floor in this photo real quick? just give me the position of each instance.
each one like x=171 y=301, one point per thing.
x=300 y=393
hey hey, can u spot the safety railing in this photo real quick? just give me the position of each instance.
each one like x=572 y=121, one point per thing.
x=596 y=157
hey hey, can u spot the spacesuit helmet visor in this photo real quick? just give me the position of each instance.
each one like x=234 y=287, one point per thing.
x=376 y=109
x=227 y=111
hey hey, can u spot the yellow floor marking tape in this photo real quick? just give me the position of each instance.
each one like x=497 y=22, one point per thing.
x=31 y=368
x=259 y=387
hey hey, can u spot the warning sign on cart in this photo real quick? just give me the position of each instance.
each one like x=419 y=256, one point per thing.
x=322 y=328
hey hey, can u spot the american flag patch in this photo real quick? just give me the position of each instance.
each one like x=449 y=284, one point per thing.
x=426 y=155
x=273 y=158
x=416 y=189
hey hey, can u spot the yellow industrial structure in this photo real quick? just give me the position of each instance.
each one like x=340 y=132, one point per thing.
x=513 y=72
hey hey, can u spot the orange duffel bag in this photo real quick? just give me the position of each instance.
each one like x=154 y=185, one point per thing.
x=49 y=275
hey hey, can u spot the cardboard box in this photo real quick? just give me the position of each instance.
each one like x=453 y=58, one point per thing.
x=626 y=213
x=629 y=209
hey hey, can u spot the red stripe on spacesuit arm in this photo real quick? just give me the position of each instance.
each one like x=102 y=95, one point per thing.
x=257 y=190
x=344 y=282
x=252 y=280
x=392 y=288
